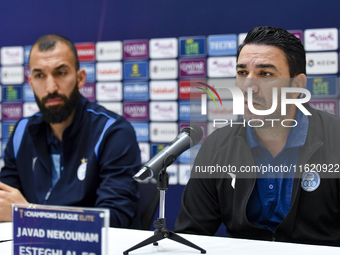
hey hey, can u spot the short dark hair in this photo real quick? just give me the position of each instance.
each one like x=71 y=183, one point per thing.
x=48 y=42
x=281 y=38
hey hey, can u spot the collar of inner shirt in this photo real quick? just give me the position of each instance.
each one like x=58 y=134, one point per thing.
x=53 y=142
x=296 y=138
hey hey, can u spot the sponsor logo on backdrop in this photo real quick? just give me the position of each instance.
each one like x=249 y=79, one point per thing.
x=211 y=127
x=222 y=67
x=165 y=111
x=30 y=108
x=12 y=75
x=27 y=50
x=321 y=39
x=184 y=174
x=11 y=93
x=330 y=106
x=4 y=145
x=109 y=91
x=142 y=131
x=144 y=152
x=156 y=148
x=202 y=125
x=163 y=69
x=90 y=71
x=163 y=48
x=172 y=170
x=224 y=111
x=136 y=49
x=191 y=111
x=297 y=33
x=12 y=55
x=322 y=63
x=189 y=92
x=241 y=37
x=191 y=68
x=113 y=107
x=109 y=71
x=136 y=70
x=222 y=45
x=320 y=87
x=7 y=129
x=163 y=132
x=11 y=111
x=109 y=51
x=88 y=91
x=220 y=86
x=27 y=72
x=192 y=46
x=136 y=91
x=189 y=155
x=28 y=94
x=136 y=111
x=163 y=90
x=86 y=52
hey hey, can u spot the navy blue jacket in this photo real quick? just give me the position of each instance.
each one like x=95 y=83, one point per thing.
x=103 y=142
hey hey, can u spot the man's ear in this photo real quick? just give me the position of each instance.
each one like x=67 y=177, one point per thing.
x=81 y=78
x=299 y=81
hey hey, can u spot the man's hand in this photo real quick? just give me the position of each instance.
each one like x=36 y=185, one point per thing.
x=9 y=196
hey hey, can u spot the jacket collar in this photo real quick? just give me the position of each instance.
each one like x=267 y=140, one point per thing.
x=38 y=129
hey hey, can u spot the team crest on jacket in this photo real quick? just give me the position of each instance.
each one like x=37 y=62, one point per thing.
x=310 y=181
x=81 y=173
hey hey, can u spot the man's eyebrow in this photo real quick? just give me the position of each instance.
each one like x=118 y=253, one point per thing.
x=37 y=70
x=257 y=66
x=266 y=66
x=62 y=66
x=241 y=66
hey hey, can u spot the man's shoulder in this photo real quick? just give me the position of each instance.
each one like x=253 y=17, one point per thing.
x=223 y=135
x=325 y=126
x=101 y=111
x=321 y=118
x=230 y=130
x=97 y=113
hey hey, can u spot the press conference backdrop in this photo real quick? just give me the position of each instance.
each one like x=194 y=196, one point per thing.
x=144 y=73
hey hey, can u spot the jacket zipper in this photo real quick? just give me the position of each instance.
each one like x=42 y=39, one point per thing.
x=274 y=234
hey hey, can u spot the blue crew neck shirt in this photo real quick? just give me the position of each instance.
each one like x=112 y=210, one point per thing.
x=270 y=200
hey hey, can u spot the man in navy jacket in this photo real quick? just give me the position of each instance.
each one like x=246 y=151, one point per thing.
x=73 y=152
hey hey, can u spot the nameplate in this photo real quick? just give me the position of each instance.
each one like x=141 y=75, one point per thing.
x=59 y=230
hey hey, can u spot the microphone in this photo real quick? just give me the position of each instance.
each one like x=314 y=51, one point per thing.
x=189 y=137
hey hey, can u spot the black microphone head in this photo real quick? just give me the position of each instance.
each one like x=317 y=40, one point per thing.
x=195 y=133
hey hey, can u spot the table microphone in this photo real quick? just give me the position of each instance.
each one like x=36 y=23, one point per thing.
x=187 y=138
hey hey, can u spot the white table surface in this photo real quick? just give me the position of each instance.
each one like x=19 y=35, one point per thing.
x=122 y=239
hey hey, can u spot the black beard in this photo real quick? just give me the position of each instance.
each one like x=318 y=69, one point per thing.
x=57 y=114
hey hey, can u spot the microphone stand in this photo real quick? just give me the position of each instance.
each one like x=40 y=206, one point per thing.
x=161 y=231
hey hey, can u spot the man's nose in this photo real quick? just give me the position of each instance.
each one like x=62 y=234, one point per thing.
x=51 y=85
x=250 y=82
